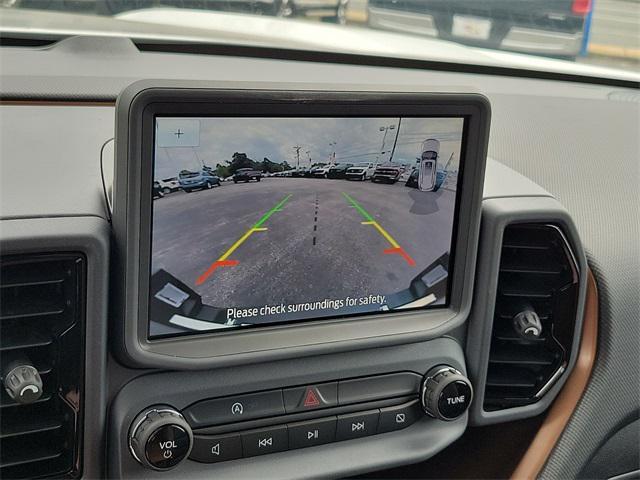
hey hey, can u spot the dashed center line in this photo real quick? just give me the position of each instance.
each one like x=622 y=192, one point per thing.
x=315 y=221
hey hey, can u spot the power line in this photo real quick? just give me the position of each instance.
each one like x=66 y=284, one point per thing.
x=197 y=156
x=354 y=146
x=359 y=155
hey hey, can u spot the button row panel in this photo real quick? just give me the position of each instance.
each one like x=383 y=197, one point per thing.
x=220 y=448
x=239 y=408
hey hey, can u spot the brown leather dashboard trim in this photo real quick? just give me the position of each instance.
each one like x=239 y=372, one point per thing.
x=58 y=103
x=545 y=440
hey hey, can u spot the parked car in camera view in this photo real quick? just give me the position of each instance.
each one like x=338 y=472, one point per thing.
x=246 y=175
x=190 y=181
x=387 y=174
x=544 y=27
x=156 y=190
x=320 y=171
x=300 y=173
x=339 y=170
x=169 y=185
x=360 y=171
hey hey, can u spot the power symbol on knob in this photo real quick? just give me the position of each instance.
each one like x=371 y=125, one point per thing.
x=160 y=438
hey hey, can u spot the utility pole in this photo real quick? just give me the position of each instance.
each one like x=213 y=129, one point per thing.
x=297 y=149
x=332 y=157
x=308 y=152
x=393 y=150
x=384 y=138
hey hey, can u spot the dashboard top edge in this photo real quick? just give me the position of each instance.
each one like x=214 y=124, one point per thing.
x=312 y=56
x=58 y=103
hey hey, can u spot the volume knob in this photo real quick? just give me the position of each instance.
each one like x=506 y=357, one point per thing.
x=446 y=393
x=160 y=438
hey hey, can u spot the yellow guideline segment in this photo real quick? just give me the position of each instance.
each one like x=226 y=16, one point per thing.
x=239 y=242
x=384 y=233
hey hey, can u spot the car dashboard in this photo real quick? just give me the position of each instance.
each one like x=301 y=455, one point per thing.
x=561 y=168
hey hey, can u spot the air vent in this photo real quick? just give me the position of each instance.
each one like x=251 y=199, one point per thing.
x=42 y=323
x=538 y=278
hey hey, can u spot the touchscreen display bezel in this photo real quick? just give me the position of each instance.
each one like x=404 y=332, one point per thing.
x=133 y=221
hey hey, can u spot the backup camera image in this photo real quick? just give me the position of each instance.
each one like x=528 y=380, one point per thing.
x=267 y=220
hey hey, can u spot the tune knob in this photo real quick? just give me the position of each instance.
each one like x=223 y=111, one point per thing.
x=22 y=382
x=446 y=393
x=160 y=438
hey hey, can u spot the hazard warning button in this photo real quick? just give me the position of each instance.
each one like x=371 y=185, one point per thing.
x=310 y=397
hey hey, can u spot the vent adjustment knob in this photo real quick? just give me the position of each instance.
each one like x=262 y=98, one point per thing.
x=160 y=438
x=527 y=324
x=22 y=382
x=446 y=393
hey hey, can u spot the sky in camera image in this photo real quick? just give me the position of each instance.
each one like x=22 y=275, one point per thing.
x=189 y=143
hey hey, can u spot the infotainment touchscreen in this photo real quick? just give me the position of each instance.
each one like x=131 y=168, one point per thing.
x=259 y=221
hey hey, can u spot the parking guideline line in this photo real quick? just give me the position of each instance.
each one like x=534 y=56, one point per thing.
x=396 y=248
x=257 y=227
x=275 y=209
x=240 y=241
x=384 y=233
x=357 y=206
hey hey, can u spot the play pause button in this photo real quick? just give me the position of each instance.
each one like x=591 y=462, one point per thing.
x=314 y=432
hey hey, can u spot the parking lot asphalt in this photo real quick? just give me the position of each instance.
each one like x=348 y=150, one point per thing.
x=296 y=240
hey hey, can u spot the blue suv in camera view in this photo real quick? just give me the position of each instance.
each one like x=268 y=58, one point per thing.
x=190 y=181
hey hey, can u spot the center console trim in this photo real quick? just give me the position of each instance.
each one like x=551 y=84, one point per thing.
x=418 y=441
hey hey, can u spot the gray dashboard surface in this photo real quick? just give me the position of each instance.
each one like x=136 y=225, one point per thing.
x=50 y=160
x=588 y=155
x=580 y=142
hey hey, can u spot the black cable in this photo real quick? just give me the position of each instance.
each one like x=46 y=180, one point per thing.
x=395 y=142
x=104 y=184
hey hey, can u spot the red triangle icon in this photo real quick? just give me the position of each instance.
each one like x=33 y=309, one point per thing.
x=310 y=398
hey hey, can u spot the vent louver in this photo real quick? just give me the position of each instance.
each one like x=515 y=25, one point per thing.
x=42 y=321
x=537 y=273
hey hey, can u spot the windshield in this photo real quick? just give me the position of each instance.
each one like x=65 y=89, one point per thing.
x=525 y=34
